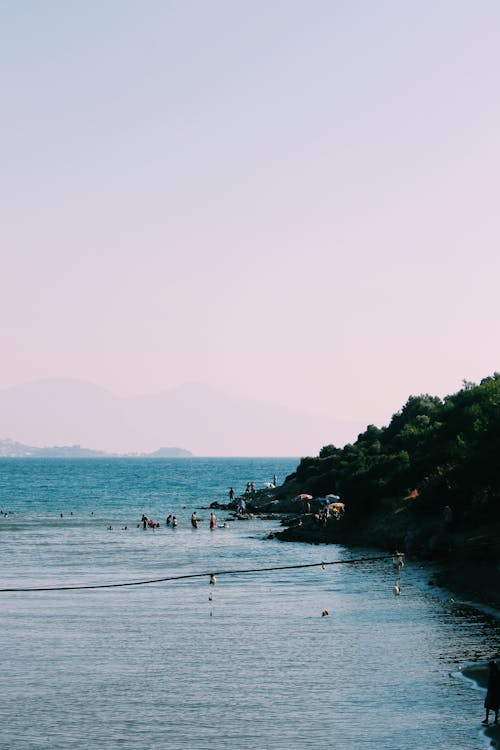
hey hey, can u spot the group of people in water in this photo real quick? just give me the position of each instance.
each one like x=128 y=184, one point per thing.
x=195 y=521
x=151 y=523
x=241 y=510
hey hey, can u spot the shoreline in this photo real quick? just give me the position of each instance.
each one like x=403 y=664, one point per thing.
x=478 y=673
x=467 y=557
x=461 y=565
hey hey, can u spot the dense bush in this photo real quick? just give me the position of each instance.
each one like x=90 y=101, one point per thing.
x=441 y=452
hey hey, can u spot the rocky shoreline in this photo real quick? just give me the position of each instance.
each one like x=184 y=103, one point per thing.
x=467 y=559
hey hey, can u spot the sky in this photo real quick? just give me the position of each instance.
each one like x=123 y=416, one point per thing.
x=294 y=202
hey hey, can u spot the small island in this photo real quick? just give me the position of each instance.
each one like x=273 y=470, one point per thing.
x=168 y=453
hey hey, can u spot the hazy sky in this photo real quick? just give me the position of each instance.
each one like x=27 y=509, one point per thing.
x=293 y=201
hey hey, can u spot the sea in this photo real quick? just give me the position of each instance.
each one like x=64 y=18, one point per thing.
x=247 y=663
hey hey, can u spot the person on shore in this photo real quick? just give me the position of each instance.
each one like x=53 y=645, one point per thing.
x=492 y=700
x=213 y=521
x=194 y=520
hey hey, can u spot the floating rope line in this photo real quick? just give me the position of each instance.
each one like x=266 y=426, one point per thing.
x=196 y=575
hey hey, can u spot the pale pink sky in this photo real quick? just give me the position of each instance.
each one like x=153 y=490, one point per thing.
x=293 y=201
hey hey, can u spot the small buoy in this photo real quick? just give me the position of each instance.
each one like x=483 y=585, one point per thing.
x=324 y=613
x=397 y=589
x=213 y=580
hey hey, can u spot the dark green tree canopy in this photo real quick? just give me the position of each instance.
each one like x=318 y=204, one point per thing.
x=441 y=452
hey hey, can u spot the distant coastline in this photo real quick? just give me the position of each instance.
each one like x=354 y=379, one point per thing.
x=14 y=449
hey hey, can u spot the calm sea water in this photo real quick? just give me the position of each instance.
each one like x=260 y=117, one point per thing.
x=162 y=666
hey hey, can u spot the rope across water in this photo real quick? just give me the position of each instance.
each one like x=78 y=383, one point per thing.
x=185 y=576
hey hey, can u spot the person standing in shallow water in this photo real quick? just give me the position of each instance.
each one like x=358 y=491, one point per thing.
x=492 y=700
x=213 y=521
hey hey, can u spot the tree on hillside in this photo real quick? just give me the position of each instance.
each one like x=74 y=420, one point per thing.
x=447 y=450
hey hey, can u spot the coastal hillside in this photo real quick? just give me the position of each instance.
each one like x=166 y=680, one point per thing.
x=434 y=452
x=428 y=483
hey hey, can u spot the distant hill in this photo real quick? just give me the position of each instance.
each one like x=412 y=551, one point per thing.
x=13 y=449
x=212 y=423
x=169 y=453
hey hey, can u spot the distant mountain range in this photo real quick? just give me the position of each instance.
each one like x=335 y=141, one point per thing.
x=66 y=412
x=13 y=449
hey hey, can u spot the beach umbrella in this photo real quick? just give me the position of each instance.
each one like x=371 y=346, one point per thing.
x=303 y=496
x=321 y=501
x=332 y=498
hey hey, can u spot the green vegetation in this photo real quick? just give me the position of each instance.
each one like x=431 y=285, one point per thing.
x=397 y=482
x=433 y=453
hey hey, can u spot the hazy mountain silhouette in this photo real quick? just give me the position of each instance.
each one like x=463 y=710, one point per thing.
x=199 y=418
